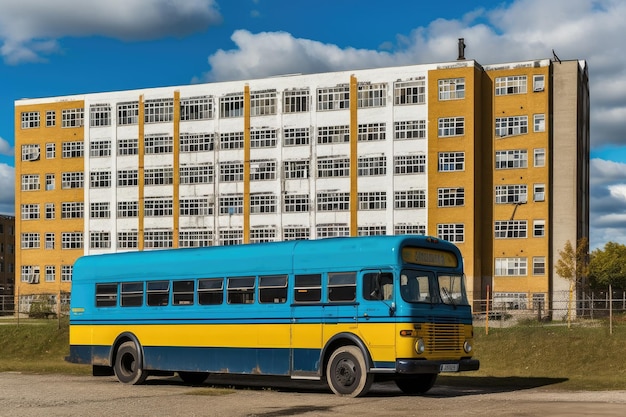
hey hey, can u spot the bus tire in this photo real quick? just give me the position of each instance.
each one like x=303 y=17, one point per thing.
x=346 y=372
x=193 y=378
x=418 y=384
x=128 y=367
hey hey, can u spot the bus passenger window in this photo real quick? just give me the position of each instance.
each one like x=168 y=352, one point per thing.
x=341 y=286
x=308 y=288
x=241 y=290
x=132 y=294
x=182 y=292
x=273 y=289
x=210 y=291
x=158 y=293
x=106 y=295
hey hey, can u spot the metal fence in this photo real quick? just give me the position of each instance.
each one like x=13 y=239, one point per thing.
x=36 y=306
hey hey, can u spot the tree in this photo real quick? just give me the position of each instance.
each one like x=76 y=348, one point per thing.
x=608 y=266
x=573 y=265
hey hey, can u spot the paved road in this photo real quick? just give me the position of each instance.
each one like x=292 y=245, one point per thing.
x=62 y=395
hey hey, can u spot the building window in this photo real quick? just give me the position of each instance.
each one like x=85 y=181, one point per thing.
x=66 y=273
x=296 y=169
x=99 y=240
x=452 y=89
x=99 y=115
x=538 y=83
x=296 y=233
x=511 y=126
x=158 y=110
x=231 y=237
x=128 y=147
x=540 y=157
x=158 y=144
x=73 y=149
x=71 y=240
x=539 y=121
x=158 y=239
x=451 y=126
x=127 y=178
x=195 y=238
x=296 y=203
x=371 y=95
x=371 y=230
x=511 y=229
x=51 y=118
x=515 y=84
x=50 y=273
x=451 y=161
x=196 y=174
x=261 y=203
x=296 y=136
x=409 y=92
x=410 y=199
x=333 y=134
x=72 y=117
x=511 y=194
x=30 y=274
x=263 y=138
x=195 y=207
x=196 y=108
x=510 y=159
x=30 y=211
x=332 y=230
x=409 y=164
x=539 y=265
x=511 y=267
x=30 y=241
x=30 y=182
x=409 y=229
x=452 y=232
x=231 y=140
x=231 y=106
x=231 y=171
x=333 y=201
x=539 y=228
x=539 y=192
x=49 y=240
x=411 y=129
x=158 y=207
x=262 y=170
x=127 y=209
x=50 y=150
x=100 y=148
x=263 y=103
x=450 y=197
x=100 y=210
x=371 y=132
x=199 y=142
x=50 y=212
x=128 y=113
x=333 y=167
x=333 y=98
x=127 y=240
x=374 y=200
x=30 y=119
x=231 y=204
x=72 y=210
x=159 y=176
x=296 y=101
x=100 y=179
x=372 y=166
x=30 y=152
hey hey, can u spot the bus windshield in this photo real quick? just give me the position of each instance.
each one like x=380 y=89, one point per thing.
x=428 y=287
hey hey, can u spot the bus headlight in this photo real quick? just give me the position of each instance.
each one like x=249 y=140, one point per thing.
x=419 y=346
x=467 y=346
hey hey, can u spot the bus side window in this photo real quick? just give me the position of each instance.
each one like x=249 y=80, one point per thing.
x=341 y=286
x=273 y=289
x=106 y=295
x=241 y=290
x=308 y=288
x=158 y=293
x=210 y=291
x=182 y=292
x=132 y=294
x=378 y=286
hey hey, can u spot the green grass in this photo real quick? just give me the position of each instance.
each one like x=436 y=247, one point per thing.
x=552 y=356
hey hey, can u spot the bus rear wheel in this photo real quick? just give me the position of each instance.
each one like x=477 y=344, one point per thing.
x=416 y=385
x=128 y=367
x=193 y=378
x=347 y=374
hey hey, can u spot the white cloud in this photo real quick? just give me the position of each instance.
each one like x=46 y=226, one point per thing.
x=607 y=202
x=30 y=29
x=7 y=189
x=5 y=148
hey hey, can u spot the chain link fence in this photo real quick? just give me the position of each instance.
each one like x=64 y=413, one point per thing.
x=36 y=305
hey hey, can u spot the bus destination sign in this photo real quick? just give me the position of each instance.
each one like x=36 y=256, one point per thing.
x=432 y=257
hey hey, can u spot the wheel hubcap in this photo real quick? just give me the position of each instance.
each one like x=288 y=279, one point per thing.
x=345 y=373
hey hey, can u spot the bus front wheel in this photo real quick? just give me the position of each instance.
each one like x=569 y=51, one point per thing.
x=347 y=374
x=128 y=367
x=416 y=385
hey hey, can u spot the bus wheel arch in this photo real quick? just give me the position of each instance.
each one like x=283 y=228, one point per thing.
x=346 y=365
x=127 y=360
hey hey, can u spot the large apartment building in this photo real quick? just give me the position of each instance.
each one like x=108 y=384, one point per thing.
x=494 y=158
x=7 y=262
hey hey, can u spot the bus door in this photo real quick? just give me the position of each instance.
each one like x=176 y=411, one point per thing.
x=306 y=326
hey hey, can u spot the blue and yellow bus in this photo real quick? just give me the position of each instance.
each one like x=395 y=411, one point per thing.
x=347 y=310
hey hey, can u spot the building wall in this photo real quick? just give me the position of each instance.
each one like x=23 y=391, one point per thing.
x=7 y=258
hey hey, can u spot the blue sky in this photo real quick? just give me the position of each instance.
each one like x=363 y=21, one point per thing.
x=62 y=47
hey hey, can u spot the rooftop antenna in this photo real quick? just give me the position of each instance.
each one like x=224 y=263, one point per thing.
x=556 y=58
x=461 y=49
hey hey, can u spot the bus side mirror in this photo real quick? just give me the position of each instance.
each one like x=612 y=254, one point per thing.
x=392 y=309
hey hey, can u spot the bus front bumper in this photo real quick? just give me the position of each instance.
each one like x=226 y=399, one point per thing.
x=420 y=366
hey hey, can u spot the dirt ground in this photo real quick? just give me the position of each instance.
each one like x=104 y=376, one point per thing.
x=63 y=395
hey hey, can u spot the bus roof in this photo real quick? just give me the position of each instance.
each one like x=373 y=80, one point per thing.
x=342 y=253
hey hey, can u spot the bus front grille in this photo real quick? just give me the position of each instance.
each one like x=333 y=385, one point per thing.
x=443 y=338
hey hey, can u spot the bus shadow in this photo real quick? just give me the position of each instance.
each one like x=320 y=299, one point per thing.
x=458 y=386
